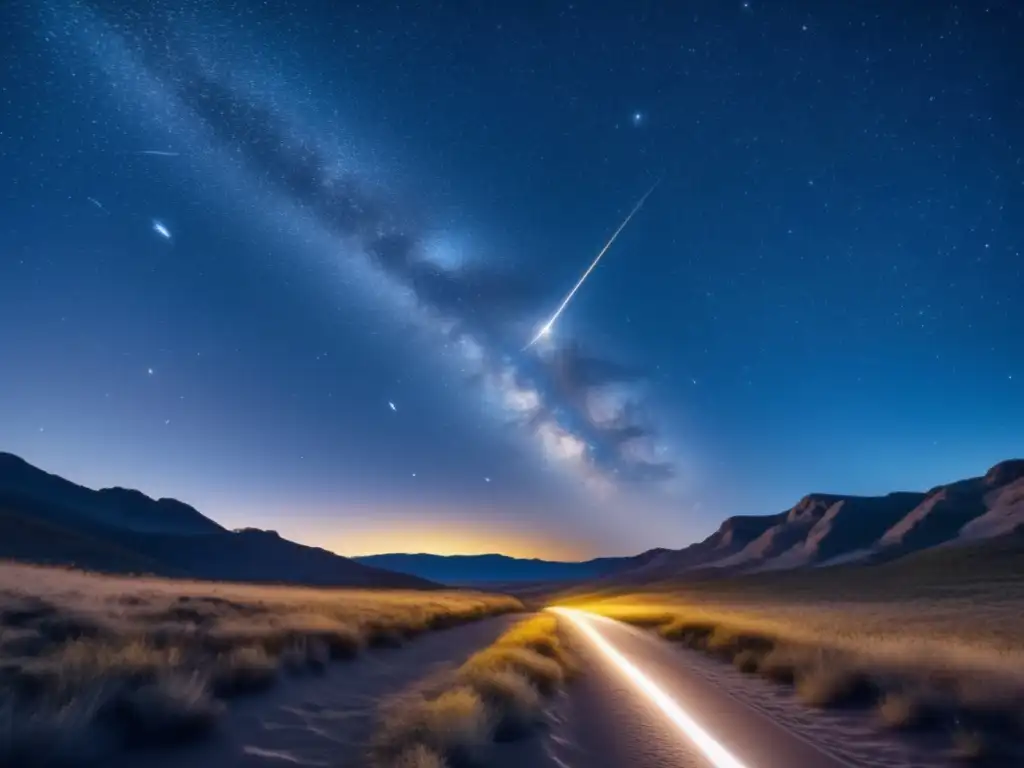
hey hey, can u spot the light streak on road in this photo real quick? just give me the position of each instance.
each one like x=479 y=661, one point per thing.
x=719 y=756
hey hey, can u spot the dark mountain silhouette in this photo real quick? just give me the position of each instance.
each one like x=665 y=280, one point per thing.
x=59 y=500
x=49 y=520
x=29 y=538
x=480 y=569
x=830 y=529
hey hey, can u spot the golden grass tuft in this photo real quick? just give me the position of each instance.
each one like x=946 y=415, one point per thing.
x=455 y=724
x=419 y=756
x=544 y=673
x=748 y=662
x=90 y=662
x=248 y=669
x=903 y=711
x=780 y=665
x=836 y=685
x=496 y=695
x=516 y=705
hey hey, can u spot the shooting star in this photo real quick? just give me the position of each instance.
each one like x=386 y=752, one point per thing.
x=156 y=152
x=546 y=328
x=97 y=203
x=161 y=230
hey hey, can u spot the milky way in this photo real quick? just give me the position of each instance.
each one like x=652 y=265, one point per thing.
x=583 y=413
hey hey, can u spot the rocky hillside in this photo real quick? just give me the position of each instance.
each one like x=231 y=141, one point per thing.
x=831 y=529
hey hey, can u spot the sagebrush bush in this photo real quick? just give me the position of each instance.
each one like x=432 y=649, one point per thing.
x=498 y=694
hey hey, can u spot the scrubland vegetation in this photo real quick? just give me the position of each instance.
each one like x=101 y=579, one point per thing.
x=930 y=646
x=91 y=663
x=497 y=695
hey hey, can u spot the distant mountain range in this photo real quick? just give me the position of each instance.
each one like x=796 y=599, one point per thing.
x=49 y=520
x=496 y=569
x=820 y=530
x=829 y=529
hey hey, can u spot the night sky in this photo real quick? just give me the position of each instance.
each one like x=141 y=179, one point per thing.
x=281 y=260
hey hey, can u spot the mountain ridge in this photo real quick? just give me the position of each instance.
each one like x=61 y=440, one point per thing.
x=49 y=520
x=491 y=567
x=46 y=518
x=832 y=529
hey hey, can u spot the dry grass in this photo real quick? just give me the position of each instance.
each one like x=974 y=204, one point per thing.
x=906 y=711
x=498 y=694
x=419 y=756
x=89 y=663
x=923 y=664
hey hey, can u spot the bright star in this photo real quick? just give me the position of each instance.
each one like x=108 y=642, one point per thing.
x=487 y=479
x=149 y=371
x=391 y=406
x=161 y=230
x=638 y=117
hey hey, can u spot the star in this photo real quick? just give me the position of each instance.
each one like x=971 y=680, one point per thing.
x=161 y=230
x=392 y=406
x=149 y=371
x=487 y=479
x=638 y=118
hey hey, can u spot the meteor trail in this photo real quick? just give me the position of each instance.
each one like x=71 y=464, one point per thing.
x=546 y=328
x=159 y=152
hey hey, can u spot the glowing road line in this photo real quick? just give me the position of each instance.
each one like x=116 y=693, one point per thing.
x=719 y=756
x=546 y=328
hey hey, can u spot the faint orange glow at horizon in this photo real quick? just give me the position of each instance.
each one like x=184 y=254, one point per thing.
x=367 y=529
x=436 y=537
x=441 y=540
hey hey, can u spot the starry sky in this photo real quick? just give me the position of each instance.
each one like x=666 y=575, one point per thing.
x=282 y=260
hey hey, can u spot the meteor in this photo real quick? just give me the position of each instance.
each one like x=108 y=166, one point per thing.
x=157 y=152
x=546 y=328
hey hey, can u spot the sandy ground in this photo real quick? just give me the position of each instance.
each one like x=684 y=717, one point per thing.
x=326 y=720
